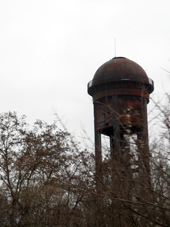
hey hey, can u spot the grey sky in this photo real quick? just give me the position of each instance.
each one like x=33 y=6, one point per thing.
x=49 y=50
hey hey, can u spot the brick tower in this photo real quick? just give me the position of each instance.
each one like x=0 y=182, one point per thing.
x=120 y=90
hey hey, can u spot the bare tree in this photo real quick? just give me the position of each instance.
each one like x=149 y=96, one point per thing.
x=41 y=174
x=47 y=180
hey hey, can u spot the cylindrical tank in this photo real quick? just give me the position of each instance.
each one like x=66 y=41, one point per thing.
x=120 y=89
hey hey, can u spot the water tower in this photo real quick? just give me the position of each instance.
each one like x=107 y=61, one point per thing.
x=120 y=89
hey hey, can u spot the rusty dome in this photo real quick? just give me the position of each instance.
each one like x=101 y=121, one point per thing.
x=120 y=70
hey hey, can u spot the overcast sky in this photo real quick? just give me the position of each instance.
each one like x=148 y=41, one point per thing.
x=50 y=50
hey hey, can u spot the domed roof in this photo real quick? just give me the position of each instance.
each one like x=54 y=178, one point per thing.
x=119 y=68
